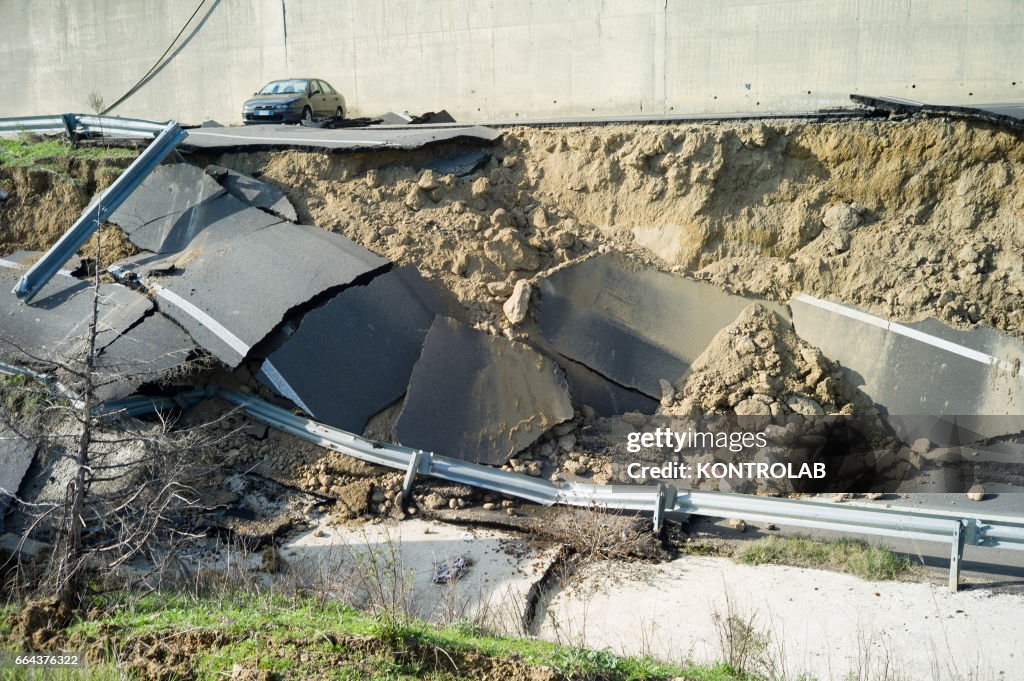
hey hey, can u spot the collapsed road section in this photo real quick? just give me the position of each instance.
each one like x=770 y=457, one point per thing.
x=532 y=308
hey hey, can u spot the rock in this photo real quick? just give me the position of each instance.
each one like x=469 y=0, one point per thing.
x=510 y=251
x=921 y=446
x=668 y=393
x=737 y=524
x=272 y=561
x=435 y=501
x=752 y=407
x=489 y=506
x=841 y=216
x=805 y=406
x=567 y=442
x=501 y=219
x=480 y=187
x=976 y=493
x=453 y=503
x=517 y=305
x=635 y=419
x=427 y=180
x=967 y=255
x=498 y=288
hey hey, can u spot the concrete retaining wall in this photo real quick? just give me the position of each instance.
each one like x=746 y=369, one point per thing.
x=491 y=59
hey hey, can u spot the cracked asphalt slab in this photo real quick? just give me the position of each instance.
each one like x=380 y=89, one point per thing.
x=367 y=336
x=635 y=327
x=270 y=137
x=478 y=397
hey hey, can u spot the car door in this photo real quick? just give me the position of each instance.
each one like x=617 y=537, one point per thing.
x=333 y=100
x=321 y=103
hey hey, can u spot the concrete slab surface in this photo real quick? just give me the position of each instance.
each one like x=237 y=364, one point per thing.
x=230 y=289
x=53 y=328
x=931 y=380
x=179 y=204
x=478 y=397
x=148 y=352
x=270 y=137
x=16 y=456
x=256 y=193
x=354 y=356
x=815 y=622
x=632 y=326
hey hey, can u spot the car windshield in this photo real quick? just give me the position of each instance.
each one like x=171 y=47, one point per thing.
x=284 y=87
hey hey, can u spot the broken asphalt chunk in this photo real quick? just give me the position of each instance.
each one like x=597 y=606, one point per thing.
x=478 y=397
x=16 y=454
x=353 y=357
x=230 y=289
x=635 y=327
x=54 y=329
x=922 y=374
x=173 y=204
x=256 y=193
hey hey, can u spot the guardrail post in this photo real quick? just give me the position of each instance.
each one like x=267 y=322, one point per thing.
x=410 y=474
x=659 y=507
x=959 y=537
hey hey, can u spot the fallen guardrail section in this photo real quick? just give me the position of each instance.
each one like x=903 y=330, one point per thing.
x=934 y=526
x=167 y=136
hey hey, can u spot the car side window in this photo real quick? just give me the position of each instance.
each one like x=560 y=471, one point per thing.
x=328 y=90
x=318 y=86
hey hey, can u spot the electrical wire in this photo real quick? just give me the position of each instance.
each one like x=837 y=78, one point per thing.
x=142 y=81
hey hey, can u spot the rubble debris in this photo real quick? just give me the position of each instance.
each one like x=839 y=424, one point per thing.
x=518 y=303
x=16 y=455
x=450 y=570
x=478 y=397
x=258 y=194
x=635 y=327
x=429 y=117
x=367 y=338
x=230 y=290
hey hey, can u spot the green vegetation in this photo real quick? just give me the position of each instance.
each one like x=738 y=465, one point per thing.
x=844 y=555
x=28 y=152
x=301 y=637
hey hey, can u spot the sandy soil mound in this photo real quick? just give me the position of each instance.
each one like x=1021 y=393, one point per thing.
x=907 y=219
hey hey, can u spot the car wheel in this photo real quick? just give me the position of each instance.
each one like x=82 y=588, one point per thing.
x=307 y=115
x=338 y=113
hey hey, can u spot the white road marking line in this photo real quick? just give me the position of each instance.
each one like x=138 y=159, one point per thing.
x=233 y=341
x=908 y=332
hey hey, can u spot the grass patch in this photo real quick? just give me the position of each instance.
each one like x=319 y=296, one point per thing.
x=28 y=152
x=292 y=636
x=854 y=556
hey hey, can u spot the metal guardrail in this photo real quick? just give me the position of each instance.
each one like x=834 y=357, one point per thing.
x=72 y=125
x=99 y=210
x=958 y=530
x=983 y=530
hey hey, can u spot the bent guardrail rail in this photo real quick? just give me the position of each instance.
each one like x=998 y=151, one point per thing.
x=958 y=529
x=71 y=124
x=938 y=526
x=99 y=210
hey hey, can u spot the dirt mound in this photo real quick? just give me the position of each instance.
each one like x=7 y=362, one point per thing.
x=46 y=199
x=758 y=366
x=907 y=219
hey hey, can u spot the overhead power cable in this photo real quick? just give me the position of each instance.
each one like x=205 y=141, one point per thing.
x=142 y=81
